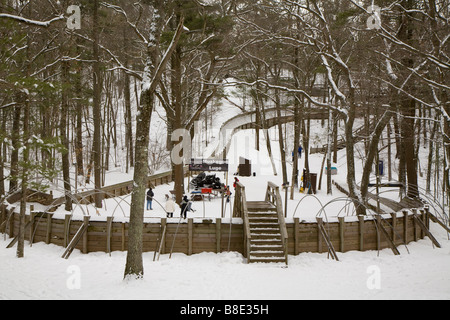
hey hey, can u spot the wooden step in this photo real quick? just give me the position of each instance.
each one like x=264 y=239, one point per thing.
x=266 y=236
x=267 y=230
x=266 y=254
x=266 y=241
x=266 y=247
x=254 y=259
x=263 y=215
x=264 y=227
x=260 y=206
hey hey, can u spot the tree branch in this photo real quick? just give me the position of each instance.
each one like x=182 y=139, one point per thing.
x=44 y=24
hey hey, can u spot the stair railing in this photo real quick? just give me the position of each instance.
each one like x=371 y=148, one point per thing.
x=274 y=197
x=241 y=211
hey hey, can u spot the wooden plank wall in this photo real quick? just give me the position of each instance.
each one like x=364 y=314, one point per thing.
x=360 y=235
x=190 y=238
x=347 y=234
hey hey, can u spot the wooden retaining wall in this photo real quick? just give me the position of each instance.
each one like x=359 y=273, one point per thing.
x=213 y=235
x=360 y=235
x=202 y=236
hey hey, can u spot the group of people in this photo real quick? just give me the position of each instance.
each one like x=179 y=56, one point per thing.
x=299 y=150
x=185 y=205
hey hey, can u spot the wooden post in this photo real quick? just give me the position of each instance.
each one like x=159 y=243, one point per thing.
x=319 y=235
x=427 y=217
x=163 y=235
x=405 y=226
x=296 y=236
x=2 y=218
x=66 y=230
x=11 y=222
x=32 y=216
x=123 y=236
x=341 y=234
x=394 y=226
x=377 y=227
x=190 y=235
x=424 y=216
x=85 y=234
x=109 y=221
x=218 y=235
x=361 y=232
x=416 y=229
x=48 y=234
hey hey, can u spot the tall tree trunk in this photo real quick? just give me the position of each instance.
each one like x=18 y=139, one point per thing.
x=176 y=99
x=354 y=194
x=63 y=135
x=15 y=141
x=152 y=75
x=79 y=119
x=430 y=156
x=297 y=130
x=134 y=265
x=306 y=132
x=329 y=147
x=97 y=114
x=389 y=146
x=128 y=118
x=2 y=157
x=433 y=12
x=23 y=99
x=408 y=108
x=128 y=123
x=280 y=138
x=24 y=176
x=372 y=152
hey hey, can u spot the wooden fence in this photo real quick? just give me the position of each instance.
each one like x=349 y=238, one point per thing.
x=217 y=235
x=123 y=188
x=203 y=235
x=361 y=234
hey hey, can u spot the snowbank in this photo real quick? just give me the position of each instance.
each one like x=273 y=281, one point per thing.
x=42 y=274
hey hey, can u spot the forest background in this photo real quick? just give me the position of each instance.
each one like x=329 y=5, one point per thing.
x=65 y=87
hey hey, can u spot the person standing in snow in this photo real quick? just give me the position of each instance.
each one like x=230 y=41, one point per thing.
x=184 y=207
x=170 y=207
x=236 y=180
x=150 y=196
x=228 y=193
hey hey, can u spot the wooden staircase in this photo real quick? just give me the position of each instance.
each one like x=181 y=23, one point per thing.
x=265 y=233
x=266 y=244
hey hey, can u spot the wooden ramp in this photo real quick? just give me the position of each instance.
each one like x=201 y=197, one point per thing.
x=324 y=234
x=76 y=238
x=424 y=228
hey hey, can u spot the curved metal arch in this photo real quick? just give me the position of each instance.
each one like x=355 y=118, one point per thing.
x=307 y=196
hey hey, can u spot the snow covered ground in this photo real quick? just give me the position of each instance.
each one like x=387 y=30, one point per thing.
x=420 y=272
x=42 y=274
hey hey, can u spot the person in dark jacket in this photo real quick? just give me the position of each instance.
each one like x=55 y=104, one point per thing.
x=150 y=196
x=227 y=193
x=184 y=207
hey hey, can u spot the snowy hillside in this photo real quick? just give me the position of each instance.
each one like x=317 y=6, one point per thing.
x=420 y=272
